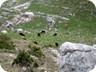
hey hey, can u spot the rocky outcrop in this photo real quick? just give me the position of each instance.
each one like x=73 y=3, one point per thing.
x=20 y=18
x=77 y=57
x=24 y=17
x=15 y=14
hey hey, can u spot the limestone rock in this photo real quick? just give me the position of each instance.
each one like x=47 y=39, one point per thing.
x=77 y=57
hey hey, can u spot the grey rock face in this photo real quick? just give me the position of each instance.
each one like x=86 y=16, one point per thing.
x=77 y=57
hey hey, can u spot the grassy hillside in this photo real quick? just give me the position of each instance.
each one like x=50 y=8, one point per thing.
x=78 y=31
x=81 y=25
x=37 y=53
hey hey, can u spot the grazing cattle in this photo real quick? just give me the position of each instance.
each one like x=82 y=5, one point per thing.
x=39 y=35
x=56 y=44
x=55 y=34
x=35 y=42
x=20 y=31
x=42 y=32
x=21 y=34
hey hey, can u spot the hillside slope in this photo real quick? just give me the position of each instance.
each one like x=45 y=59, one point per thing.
x=53 y=23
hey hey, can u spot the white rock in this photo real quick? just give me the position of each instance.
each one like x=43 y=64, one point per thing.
x=77 y=57
x=54 y=52
x=19 y=30
x=24 y=69
x=75 y=46
x=30 y=13
x=22 y=6
x=4 y=32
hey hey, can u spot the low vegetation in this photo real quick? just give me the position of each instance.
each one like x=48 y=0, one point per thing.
x=36 y=51
x=78 y=31
x=23 y=59
x=81 y=27
x=6 y=42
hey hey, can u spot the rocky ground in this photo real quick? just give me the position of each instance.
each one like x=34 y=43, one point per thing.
x=50 y=62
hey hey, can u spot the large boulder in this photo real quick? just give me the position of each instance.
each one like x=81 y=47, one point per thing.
x=76 y=57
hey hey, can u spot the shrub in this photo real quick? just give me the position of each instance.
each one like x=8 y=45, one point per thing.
x=36 y=51
x=6 y=42
x=23 y=59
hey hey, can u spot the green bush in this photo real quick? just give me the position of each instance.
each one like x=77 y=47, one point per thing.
x=36 y=51
x=23 y=59
x=6 y=42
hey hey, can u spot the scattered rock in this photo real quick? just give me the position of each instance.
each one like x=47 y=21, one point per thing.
x=54 y=53
x=21 y=18
x=5 y=13
x=6 y=24
x=4 y=32
x=22 y=6
x=50 y=22
x=19 y=30
x=24 y=69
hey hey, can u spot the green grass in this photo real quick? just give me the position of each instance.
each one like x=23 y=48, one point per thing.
x=81 y=27
x=6 y=42
x=36 y=51
x=79 y=31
